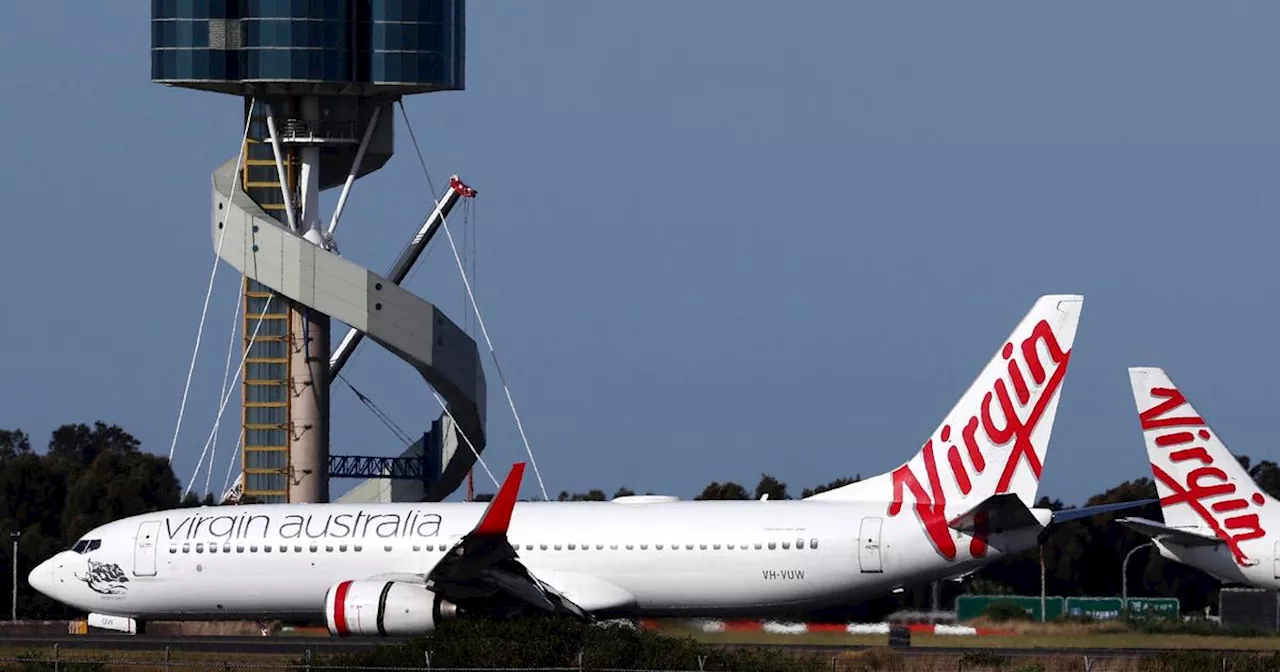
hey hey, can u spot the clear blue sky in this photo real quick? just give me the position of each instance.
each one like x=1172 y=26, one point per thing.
x=714 y=239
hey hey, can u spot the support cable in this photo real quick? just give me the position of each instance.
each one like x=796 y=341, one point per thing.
x=227 y=397
x=470 y=445
x=226 y=380
x=226 y=483
x=204 y=312
x=444 y=221
x=386 y=419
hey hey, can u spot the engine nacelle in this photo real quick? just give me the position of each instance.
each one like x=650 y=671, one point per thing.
x=384 y=609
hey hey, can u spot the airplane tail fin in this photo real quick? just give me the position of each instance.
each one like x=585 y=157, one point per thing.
x=1200 y=483
x=995 y=439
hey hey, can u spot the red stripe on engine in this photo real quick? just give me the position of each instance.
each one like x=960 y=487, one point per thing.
x=340 y=608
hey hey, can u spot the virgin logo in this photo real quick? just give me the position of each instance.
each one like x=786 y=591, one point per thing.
x=1011 y=397
x=1200 y=489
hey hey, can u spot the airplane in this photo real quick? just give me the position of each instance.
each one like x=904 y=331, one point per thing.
x=964 y=499
x=1216 y=518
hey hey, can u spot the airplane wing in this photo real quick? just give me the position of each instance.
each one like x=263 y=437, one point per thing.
x=484 y=566
x=1162 y=532
x=1006 y=512
x=997 y=513
x=1086 y=511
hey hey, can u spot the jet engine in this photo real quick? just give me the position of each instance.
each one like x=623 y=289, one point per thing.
x=384 y=609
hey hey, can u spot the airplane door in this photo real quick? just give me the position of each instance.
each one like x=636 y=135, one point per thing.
x=144 y=548
x=869 y=546
x=1276 y=559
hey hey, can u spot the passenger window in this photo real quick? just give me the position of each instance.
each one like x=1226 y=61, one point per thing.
x=757 y=546
x=813 y=543
x=688 y=547
x=253 y=548
x=702 y=547
x=173 y=549
x=786 y=545
x=557 y=547
x=186 y=548
x=386 y=548
x=358 y=548
x=266 y=548
x=657 y=547
x=715 y=547
x=729 y=547
x=799 y=544
x=297 y=549
x=239 y=548
x=644 y=547
x=773 y=546
x=629 y=547
x=572 y=547
x=599 y=547
x=226 y=548
x=416 y=548
x=200 y=547
x=342 y=548
x=316 y=547
x=613 y=547
x=284 y=548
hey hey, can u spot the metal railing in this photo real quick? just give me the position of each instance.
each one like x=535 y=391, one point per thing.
x=298 y=130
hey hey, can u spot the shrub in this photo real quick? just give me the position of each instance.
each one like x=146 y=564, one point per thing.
x=1001 y=610
x=558 y=642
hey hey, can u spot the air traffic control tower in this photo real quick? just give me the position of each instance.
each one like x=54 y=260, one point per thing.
x=319 y=79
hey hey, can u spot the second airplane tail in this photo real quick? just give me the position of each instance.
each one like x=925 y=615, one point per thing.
x=1204 y=490
x=995 y=439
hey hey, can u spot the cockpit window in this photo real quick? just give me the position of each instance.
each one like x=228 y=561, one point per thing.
x=86 y=545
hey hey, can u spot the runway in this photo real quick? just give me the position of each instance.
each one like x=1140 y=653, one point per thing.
x=329 y=645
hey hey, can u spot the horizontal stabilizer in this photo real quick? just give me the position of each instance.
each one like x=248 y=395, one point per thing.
x=1087 y=511
x=997 y=513
x=1162 y=532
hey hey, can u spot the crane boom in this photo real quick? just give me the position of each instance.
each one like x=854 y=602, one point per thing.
x=404 y=263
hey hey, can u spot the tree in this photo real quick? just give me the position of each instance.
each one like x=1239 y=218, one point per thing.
x=727 y=490
x=14 y=443
x=589 y=496
x=771 y=486
x=192 y=500
x=838 y=483
x=624 y=492
x=80 y=445
x=1267 y=475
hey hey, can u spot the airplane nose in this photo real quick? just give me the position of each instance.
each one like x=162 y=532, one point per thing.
x=41 y=578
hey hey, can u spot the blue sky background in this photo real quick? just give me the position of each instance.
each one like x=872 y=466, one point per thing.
x=714 y=239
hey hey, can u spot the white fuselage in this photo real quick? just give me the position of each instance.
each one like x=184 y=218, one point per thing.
x=1259 y=568
x=666 y=558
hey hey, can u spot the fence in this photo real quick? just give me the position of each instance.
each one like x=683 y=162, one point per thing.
x=869 y=660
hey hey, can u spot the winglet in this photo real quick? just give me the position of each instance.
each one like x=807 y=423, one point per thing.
x=497 y=516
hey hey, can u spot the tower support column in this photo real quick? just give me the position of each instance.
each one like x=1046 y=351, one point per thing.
x=309 y=358
x=309 y=412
